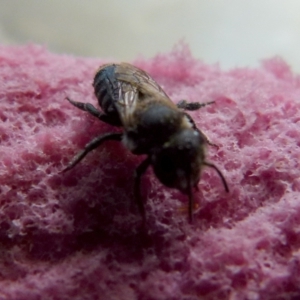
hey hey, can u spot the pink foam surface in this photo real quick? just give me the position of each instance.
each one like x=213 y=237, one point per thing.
x=77 y=235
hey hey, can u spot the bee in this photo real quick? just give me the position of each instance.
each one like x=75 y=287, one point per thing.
x=152 y=125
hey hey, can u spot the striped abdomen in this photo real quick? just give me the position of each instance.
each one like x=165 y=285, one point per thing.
x=106 y=89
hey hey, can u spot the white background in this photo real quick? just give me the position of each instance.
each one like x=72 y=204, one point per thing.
x=231 y=32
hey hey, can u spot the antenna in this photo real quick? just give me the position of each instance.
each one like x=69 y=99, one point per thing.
x=220 y=174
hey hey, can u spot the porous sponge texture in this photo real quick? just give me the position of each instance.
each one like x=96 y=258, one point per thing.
x=77 y=235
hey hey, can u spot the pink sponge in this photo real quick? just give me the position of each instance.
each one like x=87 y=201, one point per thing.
x=77 y=235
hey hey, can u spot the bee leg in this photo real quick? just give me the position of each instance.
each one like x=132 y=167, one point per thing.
x=86 y=107
x=96 y=142
x=93 y=111
x=219 y=173
x=140 y=170
x=192 y=105
x=191 y=202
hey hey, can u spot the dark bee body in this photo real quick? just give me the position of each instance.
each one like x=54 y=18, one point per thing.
x=153 y=125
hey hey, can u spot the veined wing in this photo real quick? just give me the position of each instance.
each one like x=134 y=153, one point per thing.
x=140 y=79
x=127 y=100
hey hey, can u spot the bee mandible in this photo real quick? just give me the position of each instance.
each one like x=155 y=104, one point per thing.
x=152 y=125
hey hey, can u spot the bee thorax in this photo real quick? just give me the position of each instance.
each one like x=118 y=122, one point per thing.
x=130 y=142
x=150 y=127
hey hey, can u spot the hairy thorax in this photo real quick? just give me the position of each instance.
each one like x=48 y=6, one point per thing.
x=151 y=126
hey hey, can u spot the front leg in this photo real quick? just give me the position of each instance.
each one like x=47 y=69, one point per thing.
x=96 y=142
x=94 y=112
x=140 y=170
x=192 y=105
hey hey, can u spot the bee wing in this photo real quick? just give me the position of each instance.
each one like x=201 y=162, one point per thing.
x=127 y=100
x=139 y=79
x=131 y=82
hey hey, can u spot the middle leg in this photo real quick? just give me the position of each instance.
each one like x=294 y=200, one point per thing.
x=94 y=112
x=96 y=142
